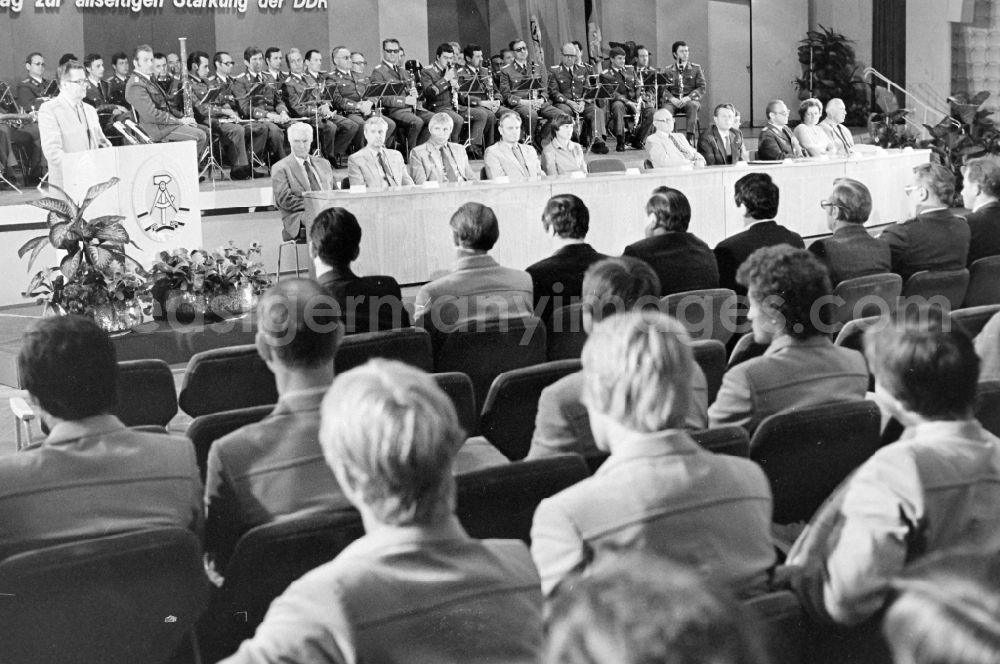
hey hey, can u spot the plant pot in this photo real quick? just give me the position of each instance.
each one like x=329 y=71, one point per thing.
x=118 y=317
x=184 y=307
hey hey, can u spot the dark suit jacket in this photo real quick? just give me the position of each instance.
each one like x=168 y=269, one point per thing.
x=777 y=143
x=936 y=240
x=681 y=260
x=851 y=252
x=565 y=267
x=731 y=252
x=710 y=147
x=984 y=228
x=354 y=297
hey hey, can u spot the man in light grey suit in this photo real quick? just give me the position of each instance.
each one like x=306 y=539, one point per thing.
x=509 y=158
x=66 y=124
x=833 y=125
x=376 y=166
x=437 y=159
x=296 y=173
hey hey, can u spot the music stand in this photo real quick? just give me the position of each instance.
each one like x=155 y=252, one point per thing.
x=390 y=89
x=471 y=86
x=530 y=85
x=211 y=165
x=315 y=103
x=260 y=85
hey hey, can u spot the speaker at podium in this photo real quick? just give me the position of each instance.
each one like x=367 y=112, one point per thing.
x=157 y=193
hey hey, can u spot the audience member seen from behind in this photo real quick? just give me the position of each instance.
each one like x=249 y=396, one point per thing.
x=935 y=488
x=274 y=468
x=415 y=587
x=563 y=155
x=988 y=349
x=643 y=609
x=801 y=367
x=935 y=238
x=981 y=195
x=91 y=476
x=557 y=281
x=815 y=141
x=610 y=287
x=946 y=610
x=659 y=491
x=681 y=260
x=756 y=196
x=367 y=304
x=850 y=252
x=479 y=289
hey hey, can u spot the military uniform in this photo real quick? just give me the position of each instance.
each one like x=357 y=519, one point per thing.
x=484 y=120
x=232 y=135
x=116 y=90
x=438 y=98
x=267 y=100
x=99 y=96
x=346 y=90
x=255 y=133
x=510 y=76
x=568 y=85
x=155 y=116
x=396 y=107
x=623 y=85
x=687 y=81
x=336 y=133
x=23 y=133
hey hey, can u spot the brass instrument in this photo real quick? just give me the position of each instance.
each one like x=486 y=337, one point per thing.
x=454 y=88
x=13 y=122
x=640 y=90
x=185 y=80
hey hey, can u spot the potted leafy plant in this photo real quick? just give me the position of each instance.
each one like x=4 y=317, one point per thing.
x=90 y=278
x=829 y=70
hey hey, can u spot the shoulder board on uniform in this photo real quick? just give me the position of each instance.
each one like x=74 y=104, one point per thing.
x=555 y=67
x=27 y=81
x=694 y=64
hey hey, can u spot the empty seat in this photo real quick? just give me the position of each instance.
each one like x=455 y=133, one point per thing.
x=267 y=559
x=708 y=313
x=606 y=166
x=973 y=319
x=459 y=389
x=852 y=334
x=508 y=417
x=870 y=295
x=146 y=393
x=711 y=357
x=493 y=348
x=206 y=429
x=226 y=379
x=984 y=282
x=373 y=304
x=128 y=598
x=947 y=284
x=806 y=453
x=409 y=344
x=500 y=502
x=566 y=335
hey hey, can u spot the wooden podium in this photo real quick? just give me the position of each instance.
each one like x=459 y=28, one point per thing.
x=157 y=193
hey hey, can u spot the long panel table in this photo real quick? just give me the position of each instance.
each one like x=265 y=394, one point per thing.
x=406 y=232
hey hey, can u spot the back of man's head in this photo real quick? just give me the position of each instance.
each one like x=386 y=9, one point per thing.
x=640 y=609
x=567 y=215
x=637 y=369
x=390 y=435
x=925 y=363
x=336 y=236
x=616 y=285
x=759 y=194
x=938 y=181
x=69 y=365
x=853 y=200
x=474 y=226
x=985 y=172
x=298 y=324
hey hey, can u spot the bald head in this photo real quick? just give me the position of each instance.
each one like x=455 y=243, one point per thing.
x=836 y=111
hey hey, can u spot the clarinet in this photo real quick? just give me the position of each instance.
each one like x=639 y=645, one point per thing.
x=185 y=81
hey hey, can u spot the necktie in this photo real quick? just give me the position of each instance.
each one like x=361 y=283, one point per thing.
x=384 y=163
x=313 y=180
x=680 y=148
x=516 y=149
x=449 y=171
x=82 y=117
x=843 y=139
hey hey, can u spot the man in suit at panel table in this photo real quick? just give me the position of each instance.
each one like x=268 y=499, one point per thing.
x=151 y=107
x=66 y=124
x=757 y=197
x=509 y=157
x=720 y=143
x=376 y=166
x=776 y=140
x=437 y=159
x=91 y=476
x=850 y=252
x=980 y=193
x=665 y=147
x=296 y=173
x=833 y=125
x=557 y=281
x=274 y=468
x=935 y=238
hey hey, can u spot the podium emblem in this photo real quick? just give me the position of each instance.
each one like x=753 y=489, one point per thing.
x=159 y=202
